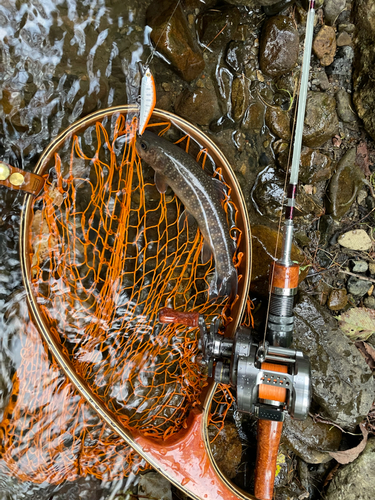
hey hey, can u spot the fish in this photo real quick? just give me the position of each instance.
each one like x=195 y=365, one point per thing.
x=202 y=197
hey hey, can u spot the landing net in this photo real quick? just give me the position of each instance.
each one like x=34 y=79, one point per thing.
x=107 y=253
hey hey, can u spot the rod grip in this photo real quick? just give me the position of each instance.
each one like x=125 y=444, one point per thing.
x=168 y=315
x=269 y=434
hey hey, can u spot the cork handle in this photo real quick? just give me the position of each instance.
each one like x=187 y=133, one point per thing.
x=15 y=178
x=168 y=315
x=269 y=434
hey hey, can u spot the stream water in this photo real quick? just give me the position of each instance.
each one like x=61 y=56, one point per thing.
x=59 y=60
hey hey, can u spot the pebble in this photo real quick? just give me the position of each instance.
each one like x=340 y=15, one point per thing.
x=345 y=107
x=321 y=121
x=342 y=64
x=344 y=39
x=359 y=266
x=344 y=185
x=154 y=485
x=371 y=267
x=279 y=46
x=324 y=45
x=239 y=98
x=254 y=116
x=358 y=287
x=332 y=9
x=211 y=23
x=278 y=121
x=314 y=166
x=337 y=299
x=369 y=302
x=357 y=239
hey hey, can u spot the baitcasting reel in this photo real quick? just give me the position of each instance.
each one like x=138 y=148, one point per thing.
x=248 y=366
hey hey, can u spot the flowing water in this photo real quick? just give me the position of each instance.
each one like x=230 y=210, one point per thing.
x=59 y=60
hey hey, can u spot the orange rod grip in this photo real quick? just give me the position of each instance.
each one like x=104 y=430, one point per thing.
x=285 y=277
x=269 y=434
x=273 y=392
x=168 y=315
x=15 y=178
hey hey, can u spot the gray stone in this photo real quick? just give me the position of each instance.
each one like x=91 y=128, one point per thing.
x=359 y=266
x=344 y=107
x=311 y=440
x=355 y=481
x=332 y=9
x=358 y=287
x=342 y=64
x=342 y=382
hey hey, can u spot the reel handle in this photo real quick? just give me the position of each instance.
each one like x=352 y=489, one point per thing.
x=168 y=315
x=15 y=178
x=268 y=436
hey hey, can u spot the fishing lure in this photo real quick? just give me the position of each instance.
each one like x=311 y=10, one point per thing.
x=148 y=100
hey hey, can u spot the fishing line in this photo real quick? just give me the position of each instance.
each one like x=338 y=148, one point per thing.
x=153 y=50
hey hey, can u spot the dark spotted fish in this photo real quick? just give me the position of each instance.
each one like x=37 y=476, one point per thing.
x=201 y=196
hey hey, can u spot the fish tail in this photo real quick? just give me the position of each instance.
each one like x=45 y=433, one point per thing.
x=225 y=286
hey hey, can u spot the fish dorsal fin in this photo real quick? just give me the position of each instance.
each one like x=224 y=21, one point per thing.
x=185 y=216
x=206 y=253
x=220 y=188
x=161 y=183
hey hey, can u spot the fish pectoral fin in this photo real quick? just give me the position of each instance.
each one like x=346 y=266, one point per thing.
x=206 y=253
x=185 y=216
x=220 y=188
x=161 y=183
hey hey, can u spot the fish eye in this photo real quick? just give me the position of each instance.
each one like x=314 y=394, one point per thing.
x=143 y=146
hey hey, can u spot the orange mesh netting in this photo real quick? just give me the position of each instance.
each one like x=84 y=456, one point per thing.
x=106 y=254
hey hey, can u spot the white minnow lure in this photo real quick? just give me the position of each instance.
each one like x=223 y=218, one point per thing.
x=148 y=100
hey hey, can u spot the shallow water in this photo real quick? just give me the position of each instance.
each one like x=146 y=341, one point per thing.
x=60 y=60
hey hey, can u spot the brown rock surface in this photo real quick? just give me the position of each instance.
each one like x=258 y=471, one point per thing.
x=324 y=45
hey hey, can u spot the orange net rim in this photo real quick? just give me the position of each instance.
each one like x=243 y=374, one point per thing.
x=54 y=344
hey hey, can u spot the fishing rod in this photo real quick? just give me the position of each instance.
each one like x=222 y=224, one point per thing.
x=270 y=378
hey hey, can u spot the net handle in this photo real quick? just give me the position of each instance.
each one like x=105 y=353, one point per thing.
x=16 y=179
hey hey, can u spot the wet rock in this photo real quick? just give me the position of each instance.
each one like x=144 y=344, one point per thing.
x=223 y=20
x=321 y=122
x=342 y=64
x=227 y=449
x=344 y=184
x=154 y=485
x=175 y=43
x=332 y=9
x=241 y=56
x=239 y=98
x=344 y=107
x=268 y=194
x=344 y=39
x=255 y=116
x=276 y=8
x=357 y=239
x=278 y=121
x=356 y=480
x=324 y=45
x=263 y=245
x=311 y=440
x=337 y=299
x=199 y=106
x=342 y=382
x=358 y=287
x=279 y=46
x=364 y=63
x=314 y=166
x=359 y=266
